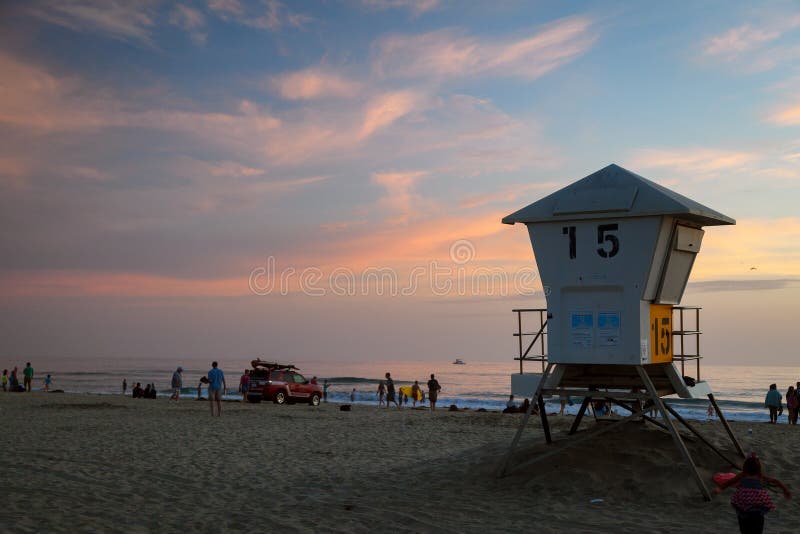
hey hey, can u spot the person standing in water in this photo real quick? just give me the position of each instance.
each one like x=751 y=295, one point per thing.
x=124 y=385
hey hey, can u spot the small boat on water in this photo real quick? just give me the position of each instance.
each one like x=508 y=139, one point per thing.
x=459 y=361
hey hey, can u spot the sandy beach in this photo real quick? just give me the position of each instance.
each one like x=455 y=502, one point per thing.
x=108 y=463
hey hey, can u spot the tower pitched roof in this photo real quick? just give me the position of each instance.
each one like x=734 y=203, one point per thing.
x=615 y=192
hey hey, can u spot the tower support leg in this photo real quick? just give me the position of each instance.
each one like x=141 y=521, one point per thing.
x=577 y=422
x=672 y=430
x=726 y=425
x=694 y=431
x=534 y=398
x=543 y=417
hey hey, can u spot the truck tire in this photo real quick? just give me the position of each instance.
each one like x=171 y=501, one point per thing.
x=281 y=397
x=314 y=401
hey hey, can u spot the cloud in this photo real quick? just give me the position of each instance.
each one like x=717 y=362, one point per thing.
x=692 y=160
x=738 y=40
x=191 y=20
x=126 y=21
x=400 y=198
x=771 y=245
x=75 y=283
x=449 y=53
x=788 y=116
x=314 y=83
x=264 y=15
x=755 y=47
x=384 y=109
x=508 y=194
x=713 y=286
x=417 y=7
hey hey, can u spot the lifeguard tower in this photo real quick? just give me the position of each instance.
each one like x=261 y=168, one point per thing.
x=614 y=252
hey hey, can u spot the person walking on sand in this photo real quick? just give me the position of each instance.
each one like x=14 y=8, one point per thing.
x=773 y=402
x=390 y=391
x=124 y=385
x=216 y=388
x=751 y=499
x=244 y=384
x=433 y=391
x=177 y=384
x=382 y=393
x=791 y=405
x=47 y=382
x=28 y=374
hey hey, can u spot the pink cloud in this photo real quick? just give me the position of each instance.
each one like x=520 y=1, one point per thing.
x=755 y=47
x=417 y=7
x=57 y=283
x=386 y=108
x=191 y=20
x=447 y=53
x=400 y=198
x=693 y=160
x=269 y=15
x=737 y=40
x=511 y=193
x=127 y=21
x=312 y=84
x=788 y=116
x=772 y=246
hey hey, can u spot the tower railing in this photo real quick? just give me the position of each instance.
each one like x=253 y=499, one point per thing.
x=540 y=351
x=685 y=336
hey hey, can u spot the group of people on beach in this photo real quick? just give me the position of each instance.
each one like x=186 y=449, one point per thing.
x=386 y=393
x=774 y=402
x=10 y=381
x=148 y=392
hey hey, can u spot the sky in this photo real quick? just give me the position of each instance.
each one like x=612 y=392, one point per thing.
x=325 y=180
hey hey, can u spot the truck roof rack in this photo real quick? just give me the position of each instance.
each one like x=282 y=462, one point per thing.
x=258 y=362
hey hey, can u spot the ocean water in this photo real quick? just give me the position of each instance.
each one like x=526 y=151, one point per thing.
x=739 y=390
